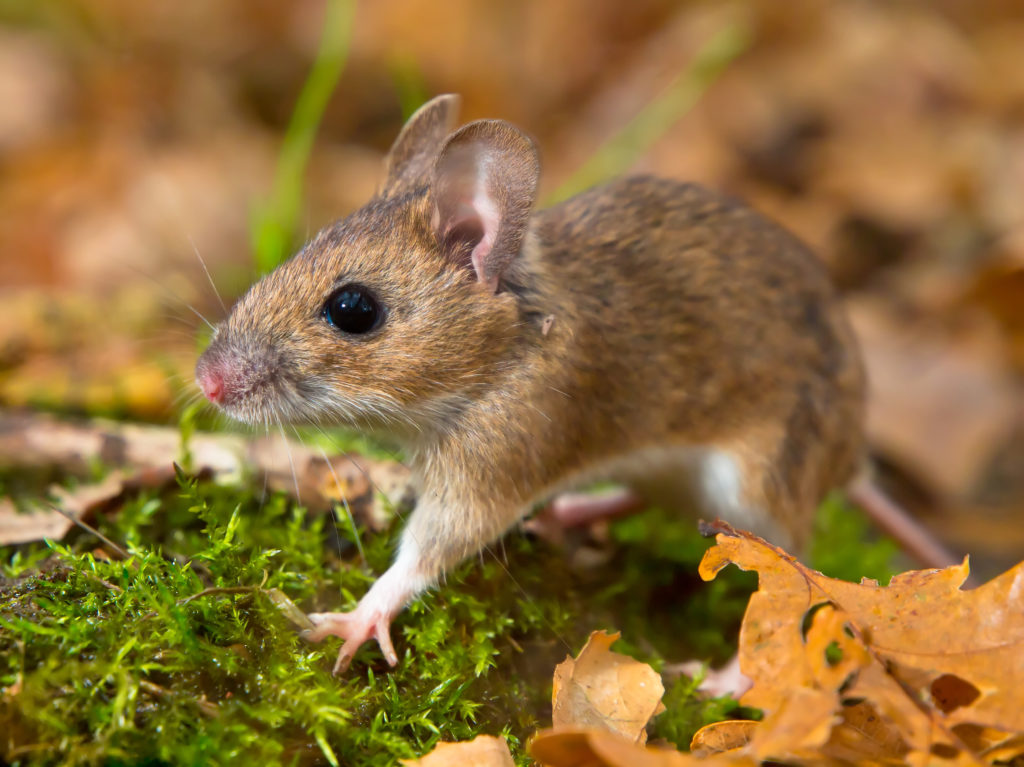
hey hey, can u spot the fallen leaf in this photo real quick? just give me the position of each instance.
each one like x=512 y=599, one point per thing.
x=17 y=526
x=584 y=747
x=371 y=489
x=606 y=690
x=83 y=503
x=924 y=654
x=482 y=751
x=998 y=288
x=720 y=737
x=864 y=736
x=1001 y=748
x=798 y=728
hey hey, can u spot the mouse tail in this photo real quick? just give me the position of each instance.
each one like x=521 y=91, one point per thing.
x=897 y=523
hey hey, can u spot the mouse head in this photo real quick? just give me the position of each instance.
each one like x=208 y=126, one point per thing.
x=394 y=316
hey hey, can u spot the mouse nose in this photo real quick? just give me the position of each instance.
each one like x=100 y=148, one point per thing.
x=212 y=384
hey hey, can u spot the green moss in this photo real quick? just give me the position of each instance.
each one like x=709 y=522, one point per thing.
x=659 y=598
x=111 y=661
x=686 y=711
x=845 y=546
x=116 y=664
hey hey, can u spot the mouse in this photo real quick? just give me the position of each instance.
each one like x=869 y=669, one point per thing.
x=647 y=332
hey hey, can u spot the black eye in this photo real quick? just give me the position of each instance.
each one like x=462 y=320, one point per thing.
x=353 y=309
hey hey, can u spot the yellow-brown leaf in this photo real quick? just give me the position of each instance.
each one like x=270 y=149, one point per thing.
x=606 y=690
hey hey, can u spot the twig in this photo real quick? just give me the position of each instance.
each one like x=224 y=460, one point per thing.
x=206 y=707
x=104 y=581
x=90 y=529
x=219 y=590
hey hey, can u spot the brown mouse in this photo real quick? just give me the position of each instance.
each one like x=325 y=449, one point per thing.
x=646 y=331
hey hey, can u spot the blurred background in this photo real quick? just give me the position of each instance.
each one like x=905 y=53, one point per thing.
x=888 y=135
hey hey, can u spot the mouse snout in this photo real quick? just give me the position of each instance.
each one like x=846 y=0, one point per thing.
x=211 y=381
x=212 y=377
x=244 y=381
x=222 y=375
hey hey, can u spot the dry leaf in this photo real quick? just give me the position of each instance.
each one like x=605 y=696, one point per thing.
x=721 y=737
x=606 y=690
x=923 y=654
x=18 y=526
x=999 y=289
x=40 y=440
x=482 y=751
x=82 y=503
x=865 y=737
x=600 y=748
x=798 y=728
x=1000 y=748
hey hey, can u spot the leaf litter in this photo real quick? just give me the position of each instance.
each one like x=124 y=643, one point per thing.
x=918 y=672
x=369 y=487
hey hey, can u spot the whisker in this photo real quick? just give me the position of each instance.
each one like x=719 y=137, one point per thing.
x=202 y=263
x=334 y=513
x=266 y=476
x=348 y=509
x=291 y=461
x=360 y=469
x=528 y=598
x=170 y=293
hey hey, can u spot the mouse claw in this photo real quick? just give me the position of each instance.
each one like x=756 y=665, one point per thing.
x=356 y=628
x=383 y=634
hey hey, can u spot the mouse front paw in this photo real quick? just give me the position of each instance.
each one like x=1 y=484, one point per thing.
x=356 y=628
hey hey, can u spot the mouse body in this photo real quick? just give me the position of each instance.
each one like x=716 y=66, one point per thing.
x=647 y=331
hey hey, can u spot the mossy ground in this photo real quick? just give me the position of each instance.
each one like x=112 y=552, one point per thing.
x=107 y=660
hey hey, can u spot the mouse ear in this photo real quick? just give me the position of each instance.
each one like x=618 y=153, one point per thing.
x=485 y=184
x=411 y=156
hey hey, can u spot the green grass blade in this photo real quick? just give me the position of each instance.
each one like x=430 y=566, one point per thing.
x=274 y=224
x=410 y=84
x=661 y=113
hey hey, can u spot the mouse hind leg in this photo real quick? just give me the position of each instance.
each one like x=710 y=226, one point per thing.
x=782 y=481
x=738 y=483
x=644 y=477
x=734 y=482
x=767 y=482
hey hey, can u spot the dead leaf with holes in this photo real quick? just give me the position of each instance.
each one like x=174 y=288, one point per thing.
x=918 y=671
x=606 y=690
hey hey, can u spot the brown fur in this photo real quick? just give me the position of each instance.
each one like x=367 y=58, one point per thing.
x=682 y=321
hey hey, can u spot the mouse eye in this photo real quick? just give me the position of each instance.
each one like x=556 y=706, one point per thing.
x=353 y=309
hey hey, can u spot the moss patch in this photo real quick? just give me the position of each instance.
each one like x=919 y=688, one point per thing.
x=107 y=661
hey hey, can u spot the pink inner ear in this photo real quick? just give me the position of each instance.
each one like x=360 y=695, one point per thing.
x=490 y=219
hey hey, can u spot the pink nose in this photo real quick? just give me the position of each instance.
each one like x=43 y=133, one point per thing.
x=212 y=384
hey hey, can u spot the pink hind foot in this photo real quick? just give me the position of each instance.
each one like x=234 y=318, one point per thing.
x=727 y=680
x=578 y=509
